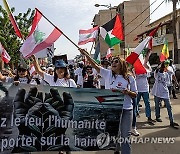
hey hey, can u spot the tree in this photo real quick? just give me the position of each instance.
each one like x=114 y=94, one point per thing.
x=8 y=37
x=174 y=21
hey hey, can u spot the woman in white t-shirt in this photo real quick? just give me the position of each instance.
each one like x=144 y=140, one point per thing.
x=117 y=78
x=161 y=92
x=61 y=76
x=22 y=76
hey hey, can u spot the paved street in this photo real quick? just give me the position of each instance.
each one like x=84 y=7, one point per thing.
x=158 y=130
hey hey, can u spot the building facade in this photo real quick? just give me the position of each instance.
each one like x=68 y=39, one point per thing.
x=164 y=32
x=128 y=10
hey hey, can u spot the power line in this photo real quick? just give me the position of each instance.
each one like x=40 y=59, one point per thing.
x=140 y=14
x=145 y=18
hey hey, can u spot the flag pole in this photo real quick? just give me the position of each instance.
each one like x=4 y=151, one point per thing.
x=92 y=47
x=58 y=29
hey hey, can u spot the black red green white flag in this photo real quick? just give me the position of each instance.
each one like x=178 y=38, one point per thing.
x=112 y=31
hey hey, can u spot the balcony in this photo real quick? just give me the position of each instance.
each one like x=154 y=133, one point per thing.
x=160 y=40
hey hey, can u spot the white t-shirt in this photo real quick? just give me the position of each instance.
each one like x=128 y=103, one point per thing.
x=78 y=72
x=21 y=80
x=142 y=83
x=170 y=72
x=119 y=83
x=60 y=82
x=160 y=88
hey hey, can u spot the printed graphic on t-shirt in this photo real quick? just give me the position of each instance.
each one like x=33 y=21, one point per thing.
x=23 y=80
x=162 y=80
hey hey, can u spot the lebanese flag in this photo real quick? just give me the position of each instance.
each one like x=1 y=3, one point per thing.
x=32 y=69
x=89 y=35
x=142 y=66
x=140 y=58
x=109 y=53
x=4 y=55
x=42 y=35
x=13 y=21
x=137 y=51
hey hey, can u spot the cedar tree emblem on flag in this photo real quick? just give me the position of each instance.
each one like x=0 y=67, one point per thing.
x=42 y=35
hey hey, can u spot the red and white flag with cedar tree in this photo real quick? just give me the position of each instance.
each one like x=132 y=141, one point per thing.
x=4 y=55
x=13 y=21
x=140 y=60
x=89 y=35
x=42 y=35
x=137 y=51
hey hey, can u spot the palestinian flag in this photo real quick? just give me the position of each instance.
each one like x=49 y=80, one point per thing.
x=112 y=31
x=97 y=53
x=165 y=51
x=42 y=35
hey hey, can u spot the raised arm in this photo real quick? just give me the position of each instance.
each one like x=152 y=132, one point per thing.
x=2 y=78
x=37 y=67
x=91 y=61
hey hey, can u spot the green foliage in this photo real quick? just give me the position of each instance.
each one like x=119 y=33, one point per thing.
x=8 y=37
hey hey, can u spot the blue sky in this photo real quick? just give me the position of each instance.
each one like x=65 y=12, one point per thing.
x=72 y=15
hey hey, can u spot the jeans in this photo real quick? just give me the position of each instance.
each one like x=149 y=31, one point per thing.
x=145 y=96
x=134 y=112
x=125 y=126
x=157 y=100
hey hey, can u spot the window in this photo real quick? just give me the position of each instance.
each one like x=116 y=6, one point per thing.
x=170 y=54
x=169 y=29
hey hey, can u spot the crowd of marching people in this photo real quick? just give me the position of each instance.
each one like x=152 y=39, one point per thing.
x=114 y=74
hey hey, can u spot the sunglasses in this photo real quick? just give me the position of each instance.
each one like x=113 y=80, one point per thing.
x=115 y=61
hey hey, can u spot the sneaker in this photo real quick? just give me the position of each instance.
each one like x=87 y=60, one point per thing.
x=174 y=125
x=138 y=115
x=175 y=97
x=158 y=119
x=134 y=132
x=151 y=120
